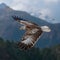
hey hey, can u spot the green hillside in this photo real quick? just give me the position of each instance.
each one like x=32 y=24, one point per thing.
x=10 y=51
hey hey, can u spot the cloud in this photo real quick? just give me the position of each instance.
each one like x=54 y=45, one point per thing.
x=51 y=1
x=1 y=1
x=5 y=1
x=45 y=12
x=38 y=8
x=19 y=7
x=27 y=5
x=42 y=13
x=19 y=4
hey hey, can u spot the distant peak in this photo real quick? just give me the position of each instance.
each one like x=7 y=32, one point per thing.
x=3 y=5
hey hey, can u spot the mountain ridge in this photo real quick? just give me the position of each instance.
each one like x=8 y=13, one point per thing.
x=9 y=29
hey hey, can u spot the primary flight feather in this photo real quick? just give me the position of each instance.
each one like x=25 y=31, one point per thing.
x=33 y=32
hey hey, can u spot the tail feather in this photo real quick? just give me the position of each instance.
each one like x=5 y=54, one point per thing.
x=23 y=46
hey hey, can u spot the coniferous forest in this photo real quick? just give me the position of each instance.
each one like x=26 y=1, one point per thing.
x=10 y=51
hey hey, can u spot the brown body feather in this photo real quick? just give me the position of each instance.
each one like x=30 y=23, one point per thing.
x=28 y=33
x=33 y=32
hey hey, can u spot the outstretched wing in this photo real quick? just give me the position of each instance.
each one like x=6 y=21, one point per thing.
x=33 y=32
x=30 y=38
x=23 y=21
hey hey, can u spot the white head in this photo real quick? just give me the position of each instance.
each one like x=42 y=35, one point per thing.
x=45 y=28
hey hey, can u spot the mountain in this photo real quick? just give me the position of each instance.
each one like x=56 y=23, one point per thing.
x=9 y=29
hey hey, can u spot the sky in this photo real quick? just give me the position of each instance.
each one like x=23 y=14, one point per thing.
x=48 y=10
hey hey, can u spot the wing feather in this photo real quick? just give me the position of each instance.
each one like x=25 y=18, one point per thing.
x=29 y=39
x=33 y=32
x=23 y=21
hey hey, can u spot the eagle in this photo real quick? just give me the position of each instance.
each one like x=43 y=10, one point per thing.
x=32 y=33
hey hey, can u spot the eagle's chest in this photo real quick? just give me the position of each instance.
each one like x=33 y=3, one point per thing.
x=37 y=34
x=33 y=31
